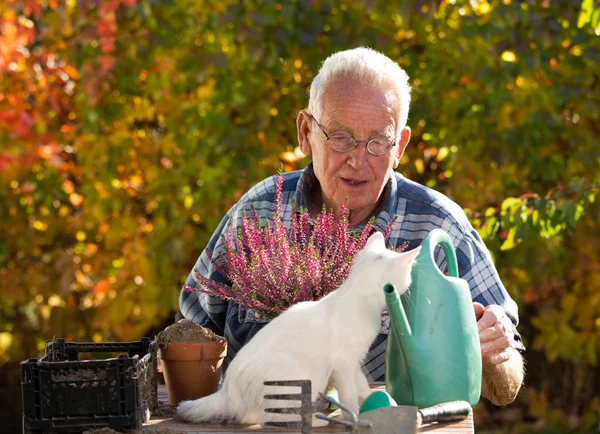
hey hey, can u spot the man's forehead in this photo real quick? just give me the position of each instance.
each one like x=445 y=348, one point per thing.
x=359 y=108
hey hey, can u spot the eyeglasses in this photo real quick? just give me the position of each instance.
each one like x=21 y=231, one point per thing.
x=345 y=143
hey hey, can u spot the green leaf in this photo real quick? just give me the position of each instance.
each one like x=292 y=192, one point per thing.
x=596 y=19
x=585 y=15
x=510 y=242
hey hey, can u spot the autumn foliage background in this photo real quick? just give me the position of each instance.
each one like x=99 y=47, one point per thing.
x=129 y=127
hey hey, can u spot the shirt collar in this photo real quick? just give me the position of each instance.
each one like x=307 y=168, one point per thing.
x=384 y=212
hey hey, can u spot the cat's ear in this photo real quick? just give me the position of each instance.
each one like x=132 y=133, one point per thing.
x=411 y=255
x=376 y=237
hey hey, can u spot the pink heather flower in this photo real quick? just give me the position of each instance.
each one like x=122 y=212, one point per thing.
x=271 y=267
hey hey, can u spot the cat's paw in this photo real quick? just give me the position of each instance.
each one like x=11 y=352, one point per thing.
x=186 y=411
x=317 y=423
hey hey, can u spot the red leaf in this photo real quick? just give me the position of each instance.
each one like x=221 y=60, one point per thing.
x=107 y=63
x=6 y=160
x=23 y=125
x=101 y=287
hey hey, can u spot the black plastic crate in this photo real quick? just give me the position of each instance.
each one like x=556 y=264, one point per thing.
x=64 y=394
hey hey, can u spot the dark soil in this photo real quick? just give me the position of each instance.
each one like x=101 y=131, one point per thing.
x=186 y=331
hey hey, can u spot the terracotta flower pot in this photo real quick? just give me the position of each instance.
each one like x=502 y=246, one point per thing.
x=191 y=371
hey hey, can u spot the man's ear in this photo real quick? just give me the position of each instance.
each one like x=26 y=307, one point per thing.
x=402 y=143
x=303 y=125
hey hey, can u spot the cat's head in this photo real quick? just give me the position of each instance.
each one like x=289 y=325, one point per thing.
x=379 y=265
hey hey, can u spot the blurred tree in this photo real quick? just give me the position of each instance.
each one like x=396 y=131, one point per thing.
x=129 y=127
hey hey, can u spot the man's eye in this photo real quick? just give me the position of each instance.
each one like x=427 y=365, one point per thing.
x=342 y=140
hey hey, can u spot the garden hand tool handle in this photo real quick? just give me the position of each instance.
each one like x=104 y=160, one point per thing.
x=445 y=412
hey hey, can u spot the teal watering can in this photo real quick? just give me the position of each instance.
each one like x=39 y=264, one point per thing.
x=433 y=353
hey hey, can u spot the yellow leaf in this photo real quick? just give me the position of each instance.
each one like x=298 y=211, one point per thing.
x=68 y=187
x=419 y=165
x=206 y=90
x=55 y=301
x=442 y=153
x=45 y=311
x=76 y=199
x=39 y=226
x=290 y=157
x=136 y=180
x=509 y=56
x=6 y=340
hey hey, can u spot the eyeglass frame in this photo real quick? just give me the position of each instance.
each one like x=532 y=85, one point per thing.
x=356 y=142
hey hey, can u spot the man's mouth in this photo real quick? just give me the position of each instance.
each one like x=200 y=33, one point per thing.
x=353 y=182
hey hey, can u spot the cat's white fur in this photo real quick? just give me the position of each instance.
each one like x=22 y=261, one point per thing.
x=322 y=341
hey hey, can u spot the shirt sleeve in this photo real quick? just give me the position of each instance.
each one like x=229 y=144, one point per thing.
x=201 y=308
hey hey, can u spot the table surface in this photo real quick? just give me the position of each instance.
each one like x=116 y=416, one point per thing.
x=162 y=422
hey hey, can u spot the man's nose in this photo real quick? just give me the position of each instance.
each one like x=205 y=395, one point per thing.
x=357 y=157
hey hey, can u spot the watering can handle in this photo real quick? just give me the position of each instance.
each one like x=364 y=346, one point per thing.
x=435 y=237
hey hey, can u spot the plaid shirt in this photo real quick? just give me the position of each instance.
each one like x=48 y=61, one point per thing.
x=418 y=210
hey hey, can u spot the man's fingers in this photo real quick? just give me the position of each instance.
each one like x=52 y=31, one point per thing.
x=494 y=332
x=479 y=309
x=496 y=346
x=488 y=319
x=492 y=314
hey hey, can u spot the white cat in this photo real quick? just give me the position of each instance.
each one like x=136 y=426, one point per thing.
x=322 y=341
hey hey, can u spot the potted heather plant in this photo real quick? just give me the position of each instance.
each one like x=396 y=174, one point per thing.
x=271 y=267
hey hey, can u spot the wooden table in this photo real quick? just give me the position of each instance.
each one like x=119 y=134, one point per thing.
x=163 y=423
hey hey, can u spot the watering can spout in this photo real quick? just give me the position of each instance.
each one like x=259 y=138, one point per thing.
x=401 y=343
x=396 y=310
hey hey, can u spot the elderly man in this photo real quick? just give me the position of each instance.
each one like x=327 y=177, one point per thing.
x=355 y=129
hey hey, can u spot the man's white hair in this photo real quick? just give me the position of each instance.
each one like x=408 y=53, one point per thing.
x=366 y=66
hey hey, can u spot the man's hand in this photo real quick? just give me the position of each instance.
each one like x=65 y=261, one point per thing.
x=495 y=333
x=502 y=365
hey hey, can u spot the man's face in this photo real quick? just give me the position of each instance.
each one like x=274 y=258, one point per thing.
x=358 y=176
